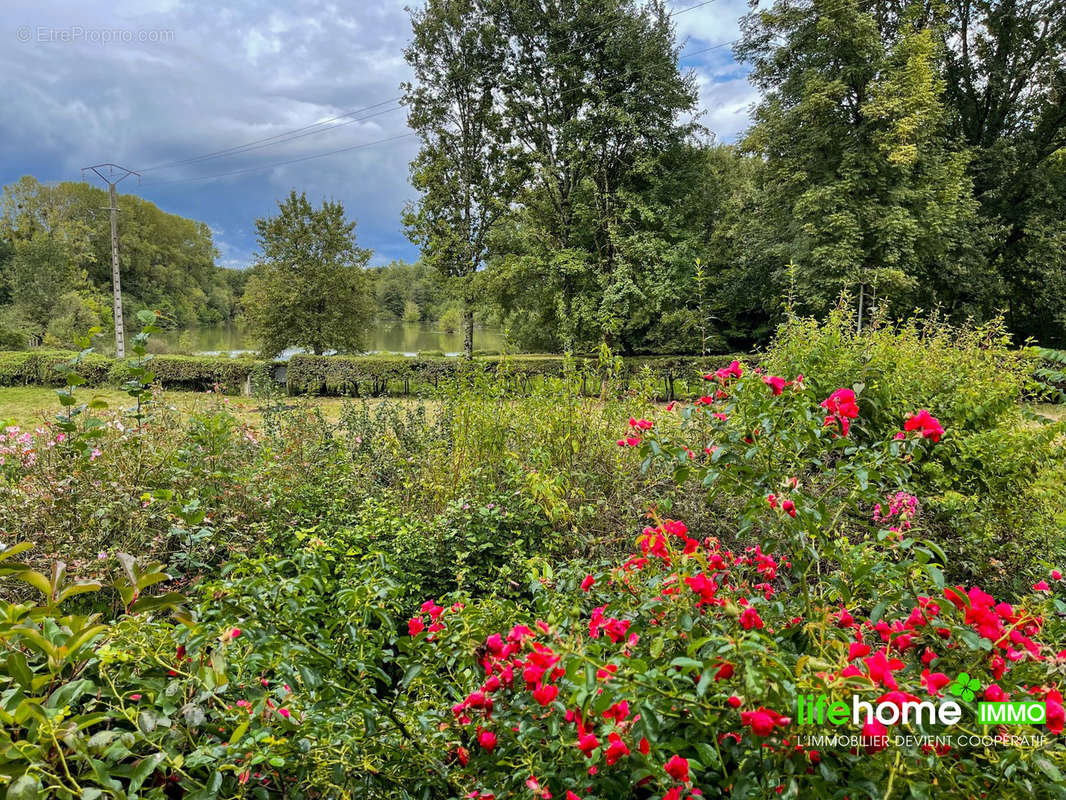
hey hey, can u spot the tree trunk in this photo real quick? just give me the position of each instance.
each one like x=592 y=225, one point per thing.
x=468 y=330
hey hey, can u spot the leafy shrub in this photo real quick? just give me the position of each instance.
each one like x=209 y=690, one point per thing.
x=135 y=704
x=190 y=373
x=197 y=373
x=41 y=367
x=472 y=544
x=679 y=672
x=681 y=676
x=996 y=489
x=11 y=339
x=376 y=375
x=969 y=376
x=309 y=671
x=1052 y=373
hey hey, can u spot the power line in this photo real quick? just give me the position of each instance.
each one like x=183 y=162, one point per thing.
x=316 y=128
x=249 y=170
x=244 y=148
x=686 y=9
x=249 y=148
x=249 y=145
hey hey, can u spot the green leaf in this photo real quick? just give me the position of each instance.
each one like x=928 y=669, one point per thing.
x=684 y=661
x=410 y=674
x=24 y=787
x=37 y=581
x=144 y=769
x=1048 y=769
x=238 y=732
x=18 y=669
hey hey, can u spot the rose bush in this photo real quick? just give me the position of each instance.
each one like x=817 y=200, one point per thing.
x=678 y=673
x=810 y=562
x=993 y=493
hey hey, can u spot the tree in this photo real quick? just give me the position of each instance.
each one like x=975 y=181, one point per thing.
x=594 y=96
x=38 y=274
x=310 y=287
x=167 y=261
x=863 y=190
x=411 y=312
x=1005 y=78
x=465 y=170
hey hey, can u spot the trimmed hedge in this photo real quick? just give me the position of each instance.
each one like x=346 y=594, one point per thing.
x=192 y=373
x=677 y=376
x=38 y=367
x=376 y=375
x=200 y=373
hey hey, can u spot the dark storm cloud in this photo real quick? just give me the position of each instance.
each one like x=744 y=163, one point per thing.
x=144 y=83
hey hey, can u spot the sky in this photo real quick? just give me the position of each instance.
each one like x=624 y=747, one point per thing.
x=155 y=85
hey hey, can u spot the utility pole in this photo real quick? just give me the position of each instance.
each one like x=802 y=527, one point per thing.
x=116 y=281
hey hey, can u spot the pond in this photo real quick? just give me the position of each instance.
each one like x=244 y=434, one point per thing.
x=407 y=338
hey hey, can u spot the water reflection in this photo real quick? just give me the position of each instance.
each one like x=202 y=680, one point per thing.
x=407 y=338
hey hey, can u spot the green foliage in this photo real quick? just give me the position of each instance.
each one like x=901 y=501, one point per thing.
x=377 y=375
x=697 y=650
x=73 y=313
x=77 y=439
x=970 y=376
x=1003 y=79
x=59 y=279
x=12 y=339
x=863 y=190
x=468 y=168
x=139 y=377
x=299 y=659
x=997 y=487
x=193 y=373
x=1052 y=373
x=310 y=288
x=398 y=283
x=411 y=312
x=451 y=320
x=912 y=157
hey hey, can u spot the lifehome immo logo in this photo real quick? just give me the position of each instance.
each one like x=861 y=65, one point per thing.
x=902 y=709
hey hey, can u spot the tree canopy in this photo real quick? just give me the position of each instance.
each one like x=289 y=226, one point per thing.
x=55 y=262
x=309 y=287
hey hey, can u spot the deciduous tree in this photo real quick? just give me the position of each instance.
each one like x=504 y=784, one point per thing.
x=310 y=287
x=466 y=170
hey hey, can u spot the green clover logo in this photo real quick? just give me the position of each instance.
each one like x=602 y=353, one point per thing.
x=964 y=686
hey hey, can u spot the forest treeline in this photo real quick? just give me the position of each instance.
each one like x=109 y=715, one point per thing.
x=55 y=264
x=909 y=154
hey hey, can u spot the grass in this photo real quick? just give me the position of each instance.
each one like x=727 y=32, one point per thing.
x=1056 y=412
x=29 y=406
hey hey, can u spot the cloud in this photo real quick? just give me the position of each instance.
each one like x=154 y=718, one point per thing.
x=709 y=24
x=146 y=83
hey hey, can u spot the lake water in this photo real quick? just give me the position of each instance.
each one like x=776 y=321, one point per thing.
x=385 y=337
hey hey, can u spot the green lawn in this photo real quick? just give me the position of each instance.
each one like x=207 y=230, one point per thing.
x=28 y=406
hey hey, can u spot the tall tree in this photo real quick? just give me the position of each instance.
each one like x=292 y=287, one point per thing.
x=466 y=169
x=167 y=261
x=594 y=96
x=863 y=190
x=1005 y=77
x=310 y=287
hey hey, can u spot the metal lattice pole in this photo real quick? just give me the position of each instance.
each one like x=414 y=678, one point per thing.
x=116 y=278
